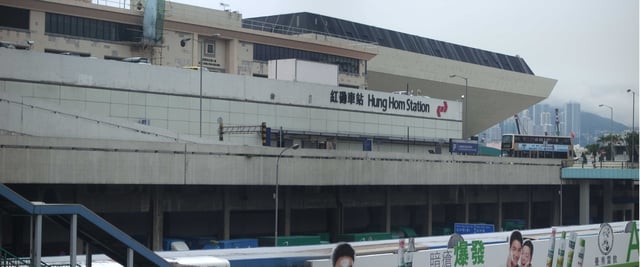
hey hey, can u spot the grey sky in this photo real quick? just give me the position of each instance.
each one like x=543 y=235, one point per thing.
x=589 y=46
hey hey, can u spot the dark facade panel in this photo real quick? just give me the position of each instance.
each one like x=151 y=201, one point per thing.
x=91 y=28
x=14 y=17
x=297 y=23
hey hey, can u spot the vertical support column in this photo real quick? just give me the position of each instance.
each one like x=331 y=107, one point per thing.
x=231 y=55
x=561 y=195
x=226 y=215
x=607 y=198
x=529 y=207
x=584 y=202
x=387 y=211
x=466 y=205
x=1 y=227
x=340 y=211
x=36 y=249
x=73 y=240
x=157 y=219
x=632 y=205
x=88 y=253
x=129 y=257
x=556 y=207
x=287 y=213
x=429 y=214
x=499 y=225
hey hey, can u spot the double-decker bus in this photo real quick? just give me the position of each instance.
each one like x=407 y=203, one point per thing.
x=537 y=146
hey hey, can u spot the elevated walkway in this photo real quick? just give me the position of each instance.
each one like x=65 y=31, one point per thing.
x=604 y=171
x=83 y=224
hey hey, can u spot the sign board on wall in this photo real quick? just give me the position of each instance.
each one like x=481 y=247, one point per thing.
x=388 y=103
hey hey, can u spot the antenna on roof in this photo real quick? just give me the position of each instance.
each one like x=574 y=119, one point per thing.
x=224 y=6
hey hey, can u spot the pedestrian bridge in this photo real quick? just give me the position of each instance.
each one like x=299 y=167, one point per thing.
x=608 y=171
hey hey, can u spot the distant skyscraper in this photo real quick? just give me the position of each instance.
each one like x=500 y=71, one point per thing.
x=572 y=121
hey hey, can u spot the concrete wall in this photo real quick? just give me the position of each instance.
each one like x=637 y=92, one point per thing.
x=169 y=98
x=62 y=160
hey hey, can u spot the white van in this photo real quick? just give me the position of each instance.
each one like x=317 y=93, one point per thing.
x=139 y=60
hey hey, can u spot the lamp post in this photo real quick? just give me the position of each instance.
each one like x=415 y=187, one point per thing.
x=465 y=98
x=633 y=113
x=202 y=51
x=611 y=130
x=294 y=147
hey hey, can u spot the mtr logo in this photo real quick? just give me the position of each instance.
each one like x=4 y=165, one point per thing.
x=442 y=109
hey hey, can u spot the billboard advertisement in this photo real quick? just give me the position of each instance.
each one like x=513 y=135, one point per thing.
x=562 y=249
x=463 y=146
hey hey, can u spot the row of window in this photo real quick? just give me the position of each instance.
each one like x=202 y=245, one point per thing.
x=119 y=32
x=543 y=139
x=92 y=28
x=297 y=23
x=266 y=52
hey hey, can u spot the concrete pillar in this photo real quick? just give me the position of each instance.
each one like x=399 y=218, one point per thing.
x=499 y=225
x=387 y=211
x=607 y=204
x=466 y=205
x=287 y=213
x=429 y=214
x=340 y=212
x=231 y=55
x=157 y=219
x=529 y=207
x=1 y=226
x=226 y=215
x=634 y=194
x=556 y=206
x=584 y=202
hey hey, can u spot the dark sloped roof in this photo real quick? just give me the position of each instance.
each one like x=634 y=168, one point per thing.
x=304 y=22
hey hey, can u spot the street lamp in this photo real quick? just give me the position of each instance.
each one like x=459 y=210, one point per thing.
x=183 y=42
x=465 y=98
x=633 y=114
x=294 y=147
x=610 y=129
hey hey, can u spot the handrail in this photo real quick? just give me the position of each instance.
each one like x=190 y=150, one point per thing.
x=83 y=212
x=8 y=259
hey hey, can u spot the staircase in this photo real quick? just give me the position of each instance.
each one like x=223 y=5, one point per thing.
x=83 y=223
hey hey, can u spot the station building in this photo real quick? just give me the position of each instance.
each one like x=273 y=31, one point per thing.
x=176 y=121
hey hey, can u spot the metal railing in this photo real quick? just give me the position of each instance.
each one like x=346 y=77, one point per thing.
x=9 y=260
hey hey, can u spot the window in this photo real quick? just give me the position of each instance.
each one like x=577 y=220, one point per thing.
x=266 y=52
x=211 y=49
x=92 y=28
x=14 y=17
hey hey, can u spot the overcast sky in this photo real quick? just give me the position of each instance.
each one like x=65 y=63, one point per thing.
x=589 y=46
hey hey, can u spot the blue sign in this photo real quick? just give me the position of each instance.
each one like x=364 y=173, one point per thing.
x=473 y=228
x=463 y=146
